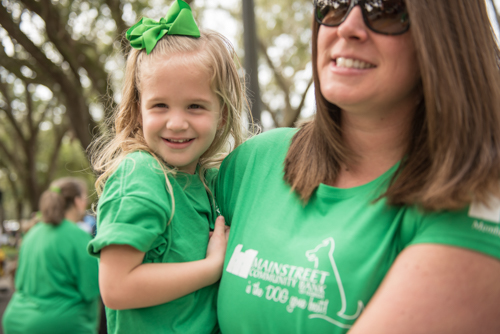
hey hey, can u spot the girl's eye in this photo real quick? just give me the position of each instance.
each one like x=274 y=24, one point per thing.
x=161 y=105
x=195 y=106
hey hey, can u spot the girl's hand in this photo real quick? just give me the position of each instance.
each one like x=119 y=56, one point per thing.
x=216 y=250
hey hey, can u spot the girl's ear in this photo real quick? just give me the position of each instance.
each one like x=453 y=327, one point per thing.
x=223 y=119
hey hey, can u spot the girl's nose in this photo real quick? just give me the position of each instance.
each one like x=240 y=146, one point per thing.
x=354 y=27
x=177 y=121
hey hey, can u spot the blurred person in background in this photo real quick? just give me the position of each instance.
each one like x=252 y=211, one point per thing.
x=56 y=281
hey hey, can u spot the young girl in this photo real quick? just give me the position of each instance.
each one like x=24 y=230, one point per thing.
x=182 y=101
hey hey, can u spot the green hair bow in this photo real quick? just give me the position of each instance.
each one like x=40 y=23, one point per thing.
x=147 y=32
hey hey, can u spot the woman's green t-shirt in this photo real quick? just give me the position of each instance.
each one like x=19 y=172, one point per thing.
x=295 y=268
x=56 y=283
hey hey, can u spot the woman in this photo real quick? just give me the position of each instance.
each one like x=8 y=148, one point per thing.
x=380 y=215
x=56 y=281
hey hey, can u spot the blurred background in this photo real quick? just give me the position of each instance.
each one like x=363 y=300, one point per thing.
x=61 y=63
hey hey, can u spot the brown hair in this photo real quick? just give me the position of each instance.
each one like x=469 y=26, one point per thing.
x=60 y=197
x=217 y=55
x=453 y=155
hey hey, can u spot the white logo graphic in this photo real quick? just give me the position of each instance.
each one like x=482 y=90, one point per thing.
x=241 y=262
x=295 y=286
x=489 y=212
x=328 y=245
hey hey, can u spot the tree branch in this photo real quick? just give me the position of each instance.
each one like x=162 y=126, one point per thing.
x=42 y=118
x=15 y=32
x=9 y=112
x=58 y=34
x=29 y=107
x=293 y=116
x=13 y=65
x=274 y=115
x=59 y=135
x=13 y=159
x=121 y=26
x=75 y=101
x=282 y=82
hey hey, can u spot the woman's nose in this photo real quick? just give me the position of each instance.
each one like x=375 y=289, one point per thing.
x=353 y=26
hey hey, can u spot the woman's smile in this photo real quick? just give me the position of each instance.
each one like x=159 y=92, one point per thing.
x=344 y=62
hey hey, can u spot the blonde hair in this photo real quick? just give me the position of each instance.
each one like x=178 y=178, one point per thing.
x=215 y=53
x=59 y=198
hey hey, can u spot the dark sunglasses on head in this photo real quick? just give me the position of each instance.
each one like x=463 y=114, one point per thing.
x=388 y=17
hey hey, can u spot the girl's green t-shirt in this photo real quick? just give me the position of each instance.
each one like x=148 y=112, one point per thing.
x=295 y=268
x=134 y=210
x=56 y=283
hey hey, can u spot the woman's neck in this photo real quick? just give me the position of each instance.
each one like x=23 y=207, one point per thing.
x=378 y=142
x=72 y=215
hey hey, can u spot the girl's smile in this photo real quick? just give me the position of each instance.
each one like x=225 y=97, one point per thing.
x=178 y=143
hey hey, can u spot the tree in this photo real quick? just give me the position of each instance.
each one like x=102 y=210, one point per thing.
x=284 y=35
x=24 y=147
x=58 y=59
x=284 y=42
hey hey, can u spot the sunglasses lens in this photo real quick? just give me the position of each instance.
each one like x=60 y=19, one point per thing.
x=331 y=12
x=382 y=16
x=387 y=16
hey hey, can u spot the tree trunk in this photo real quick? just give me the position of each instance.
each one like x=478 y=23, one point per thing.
x=251 y=58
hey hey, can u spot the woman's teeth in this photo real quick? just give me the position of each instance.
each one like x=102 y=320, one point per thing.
x=352 y=63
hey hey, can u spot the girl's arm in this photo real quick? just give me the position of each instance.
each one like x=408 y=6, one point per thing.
x=436 y=289
x=126 y=282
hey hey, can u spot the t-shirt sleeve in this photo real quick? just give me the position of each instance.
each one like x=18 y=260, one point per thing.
x=455 y=228
x=135 y=206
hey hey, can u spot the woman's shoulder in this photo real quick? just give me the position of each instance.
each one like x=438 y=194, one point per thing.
x=266 y=149
x=74 y=232
x=272 y=140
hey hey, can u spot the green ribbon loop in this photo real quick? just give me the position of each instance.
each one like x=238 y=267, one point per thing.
x=147 y=32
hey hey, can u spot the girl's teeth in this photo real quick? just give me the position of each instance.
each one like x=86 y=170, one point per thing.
x=352 y=63
x=178 y=141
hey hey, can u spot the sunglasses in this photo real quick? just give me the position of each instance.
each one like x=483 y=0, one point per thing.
x=388 y=17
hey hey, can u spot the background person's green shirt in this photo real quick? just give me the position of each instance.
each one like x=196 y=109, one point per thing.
x=134 y=210
x=292 y=268
x=56 y=283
